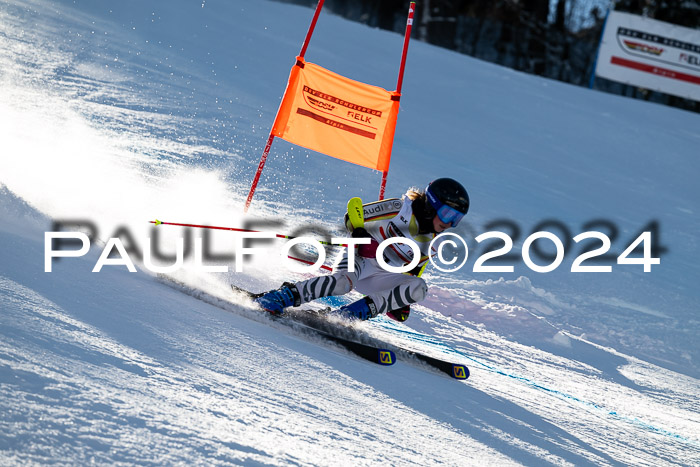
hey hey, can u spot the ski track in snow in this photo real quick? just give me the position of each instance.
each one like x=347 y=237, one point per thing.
x=119 y=114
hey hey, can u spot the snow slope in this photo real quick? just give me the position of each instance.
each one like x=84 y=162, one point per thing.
x=119 y=114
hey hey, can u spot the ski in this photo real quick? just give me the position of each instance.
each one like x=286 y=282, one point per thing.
x=315 y=322
x=311 y=322
x=368 y=352
x=455 y=370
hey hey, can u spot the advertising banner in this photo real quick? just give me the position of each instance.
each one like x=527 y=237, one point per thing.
x=650 y=54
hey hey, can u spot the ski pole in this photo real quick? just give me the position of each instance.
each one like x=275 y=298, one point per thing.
x=233 y=229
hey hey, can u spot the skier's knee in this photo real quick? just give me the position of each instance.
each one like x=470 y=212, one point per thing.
x=343 y=284
x=419 y=290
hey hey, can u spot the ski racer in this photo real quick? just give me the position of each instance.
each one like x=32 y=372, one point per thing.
x=418 y=216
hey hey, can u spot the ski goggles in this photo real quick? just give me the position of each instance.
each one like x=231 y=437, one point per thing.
x=449 y=215
x=446 y=213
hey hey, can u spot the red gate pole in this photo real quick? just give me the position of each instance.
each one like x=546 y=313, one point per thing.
x=399 y=83
x=271 y=138
x=261 y=165
x=406 y=38
x=311 y=28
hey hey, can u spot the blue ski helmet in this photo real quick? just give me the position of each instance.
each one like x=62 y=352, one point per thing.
x=449 y=199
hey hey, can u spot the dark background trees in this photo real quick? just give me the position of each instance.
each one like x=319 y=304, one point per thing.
x=556 y=39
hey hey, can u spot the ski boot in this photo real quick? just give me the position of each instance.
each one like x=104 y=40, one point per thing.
x=275 y=301
x=362 y=309
x=400 y=315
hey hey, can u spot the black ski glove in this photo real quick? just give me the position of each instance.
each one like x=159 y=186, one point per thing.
x=360 y=232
